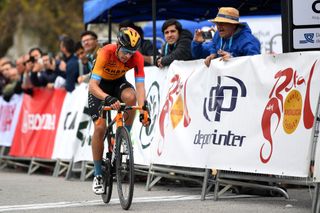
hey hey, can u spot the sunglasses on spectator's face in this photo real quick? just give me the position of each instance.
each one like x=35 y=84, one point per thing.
x=127 y=51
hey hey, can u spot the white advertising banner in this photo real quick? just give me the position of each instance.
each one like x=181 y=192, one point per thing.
x=9 y=114
x=143 y=138
x=70 y=117
x=250 y=114
x=83 y=151
x=306 y=12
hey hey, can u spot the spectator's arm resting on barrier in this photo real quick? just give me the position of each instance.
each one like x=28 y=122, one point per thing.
x=225 y=56
x=208 y=59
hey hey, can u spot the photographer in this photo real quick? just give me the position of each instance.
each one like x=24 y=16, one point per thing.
x=232 y=39
x=47 y=75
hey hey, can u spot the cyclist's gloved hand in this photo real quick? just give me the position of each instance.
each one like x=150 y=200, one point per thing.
x=143 y=121
x=109 y=100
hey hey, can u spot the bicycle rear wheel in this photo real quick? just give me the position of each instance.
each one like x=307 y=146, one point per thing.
x=107 y=180
x=124 y=167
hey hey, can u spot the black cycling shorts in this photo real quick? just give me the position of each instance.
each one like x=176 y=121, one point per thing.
x=113 y=88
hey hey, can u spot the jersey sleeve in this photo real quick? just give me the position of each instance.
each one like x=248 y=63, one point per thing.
x=101 y=60
x=138 y=67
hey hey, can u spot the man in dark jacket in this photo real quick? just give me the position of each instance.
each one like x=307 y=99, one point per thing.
x=178 y=43
x=72 y=69
x=232 y=38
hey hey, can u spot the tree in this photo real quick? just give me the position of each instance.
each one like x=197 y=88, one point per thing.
x=46 y=19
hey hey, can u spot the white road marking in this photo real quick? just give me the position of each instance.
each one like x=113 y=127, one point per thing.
x=96 y=202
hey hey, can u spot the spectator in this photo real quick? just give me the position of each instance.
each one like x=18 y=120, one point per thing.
x=3 y=80
x=84 y=72
x=13 y=84
x=3 y=61
x=178 y=43
x=89 y=41
x=47 y=76
x=24 y=78
x=72 y=69
x=231 y=40
x=20 y=63
x=146 y=48
x=35 y=59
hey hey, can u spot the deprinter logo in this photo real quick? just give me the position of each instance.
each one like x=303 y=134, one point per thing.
x=218 y=101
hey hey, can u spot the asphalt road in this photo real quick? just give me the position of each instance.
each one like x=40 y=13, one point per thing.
x=20 y=192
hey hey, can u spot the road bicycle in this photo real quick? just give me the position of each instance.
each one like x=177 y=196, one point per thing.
x=119 y=161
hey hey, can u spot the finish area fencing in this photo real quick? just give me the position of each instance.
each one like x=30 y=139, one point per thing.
x=251 y=118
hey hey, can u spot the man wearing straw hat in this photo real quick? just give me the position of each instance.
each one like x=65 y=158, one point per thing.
x=232 y=38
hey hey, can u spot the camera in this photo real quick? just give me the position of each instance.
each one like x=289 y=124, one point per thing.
x=32 y=59
x=207 y=34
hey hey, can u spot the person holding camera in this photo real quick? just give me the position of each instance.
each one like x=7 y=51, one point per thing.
x=233 y=38
x=47 y=75
x=33 y=65
x=178 y=43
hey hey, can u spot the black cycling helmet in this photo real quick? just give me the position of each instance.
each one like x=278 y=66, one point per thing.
x=129 y=38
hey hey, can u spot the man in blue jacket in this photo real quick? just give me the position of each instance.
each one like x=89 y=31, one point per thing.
x=232 y=38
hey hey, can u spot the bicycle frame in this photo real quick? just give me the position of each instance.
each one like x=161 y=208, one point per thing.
x=119 y=149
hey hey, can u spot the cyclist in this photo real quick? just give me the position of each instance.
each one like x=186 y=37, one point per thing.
x=108 y=84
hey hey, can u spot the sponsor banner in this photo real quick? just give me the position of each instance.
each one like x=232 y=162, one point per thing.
x=72 y=109
x=83 y=151
x=9 y=113
x=142 y=137
x=37 y=124
x=84 y=132
x=251 y=114
x=307 y=38
x=306 y=12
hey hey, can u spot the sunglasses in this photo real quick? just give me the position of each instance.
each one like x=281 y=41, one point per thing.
x=127 y=51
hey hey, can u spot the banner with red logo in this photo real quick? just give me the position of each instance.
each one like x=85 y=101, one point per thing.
x=37 y=124
x=250 y=114
x=9 y=113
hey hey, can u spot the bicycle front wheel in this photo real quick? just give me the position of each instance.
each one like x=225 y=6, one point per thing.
x=124 y=167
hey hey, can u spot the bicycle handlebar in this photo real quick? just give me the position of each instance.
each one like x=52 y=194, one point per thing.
x=124 y=107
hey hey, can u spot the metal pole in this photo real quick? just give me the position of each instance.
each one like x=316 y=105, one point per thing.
x=154 y=30
x=109 y=26
x=286 y=19
x=315 y=199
